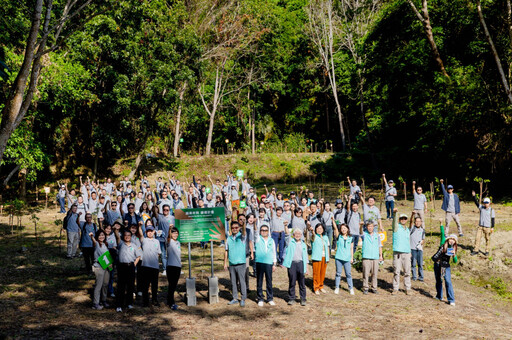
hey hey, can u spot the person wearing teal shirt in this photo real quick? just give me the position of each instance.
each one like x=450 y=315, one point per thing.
x=235 y=257
x=372 y=254
x=296 y=260
x=265 y=264
x=319 y=257
x=344 y=257
x=401 y=253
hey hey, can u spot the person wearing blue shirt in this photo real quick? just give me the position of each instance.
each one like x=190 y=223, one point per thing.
x=401 y=252
x=234 y=260
x=344 y=257
x=296 y=260
x=451 y=205
x=372 y=254
x=265 y=264
x=86 y=243
x=72 y=230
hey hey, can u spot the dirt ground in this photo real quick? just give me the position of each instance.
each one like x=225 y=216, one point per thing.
x=44 y=295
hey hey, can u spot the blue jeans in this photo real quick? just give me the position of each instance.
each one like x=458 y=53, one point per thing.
x=163 y=248
x=417 y=260
x=62 y=203
x=348 y=273
x=390 y=205
x=278 y=238
x=356 y=240
x=447 y=281
x=329 y=231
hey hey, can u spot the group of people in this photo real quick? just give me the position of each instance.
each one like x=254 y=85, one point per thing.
x=134 y=226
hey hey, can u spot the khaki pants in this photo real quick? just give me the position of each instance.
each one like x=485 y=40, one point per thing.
x=449 y=217
x=73 y=239
x=401 y=261
x=420 y=213
x=487 y=235
x=370 y=267
x=100 y=288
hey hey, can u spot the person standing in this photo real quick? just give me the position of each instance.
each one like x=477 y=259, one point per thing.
x=389 y=196
x=451 y=205
x=417 y=239
x=296 y=260
x=173 y=265
x=371 y=214
x=164 y=221
x=401 y=253
x=102 y=274
x=266 y=260
x=328 y=220
x=235 y=257
x=149 y=268
x=447 y=250
x=420 y=202
x=61 y=198
x=371 y=254
x=71 y=224
x=86 y=244
x=354 y=222
x=129 y=257
x=319 y=257
x=344 y=257
x=485 y=224
x=278 y=225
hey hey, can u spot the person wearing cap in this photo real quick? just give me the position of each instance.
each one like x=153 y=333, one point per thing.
x=401 y=252
x=293 y=198
x=485 y=224
x=234 y=261
x=389 y=196
x=266 y=260
x=61 y=198
x=451 y=205
x=296 y=260
x=447 y=250
x=150 y=266
x=420 y=202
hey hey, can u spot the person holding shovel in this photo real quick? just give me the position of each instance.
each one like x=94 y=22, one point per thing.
x=485 y=225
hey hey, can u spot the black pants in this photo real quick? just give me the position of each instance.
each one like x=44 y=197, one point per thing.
x=296 y=273
x=149 y=276
x=125 y=283
x=173 y=275
x=88 y=253
x=264 y=269
x=140 y=279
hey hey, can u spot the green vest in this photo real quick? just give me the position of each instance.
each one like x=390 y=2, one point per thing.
x=316 y=248
x=344 y=248
x=401 y=240
x=371 y=245
x=290 y=250
x=264 y=254
x=236 y=249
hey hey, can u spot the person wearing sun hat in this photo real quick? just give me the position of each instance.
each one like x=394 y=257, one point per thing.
x=401 y=252
x=442 y=269
x=485 y=225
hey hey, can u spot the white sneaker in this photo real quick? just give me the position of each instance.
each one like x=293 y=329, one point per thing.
x=452 y=303
x=317 y=292
x=260 y=303
x=119 y=309
x=130 y=307
x=352 y=291
x=337 y=290
x=164 y=273
x=272 y=303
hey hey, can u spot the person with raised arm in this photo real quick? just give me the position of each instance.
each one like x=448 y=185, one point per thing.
x=372 y=255
x=354 y=189
x=451 y=205
x=129 y=257
x=344 y=257
x=150 y=265
x=401 y=252
x=389 y=196
x=417 y=240
x=371 y=213
x=447 y=251
x=319 y=258
x=102 y=275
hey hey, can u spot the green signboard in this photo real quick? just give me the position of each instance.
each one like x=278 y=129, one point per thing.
x=239 y=173
x=208 y=190
x=105 y=260
x=243 y=205
x=201 y=224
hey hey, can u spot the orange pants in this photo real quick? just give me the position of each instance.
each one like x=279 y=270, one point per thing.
x=319 y=268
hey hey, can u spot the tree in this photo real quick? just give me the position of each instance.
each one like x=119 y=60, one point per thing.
x=424 y=18
x=322 y=24
x=45 y=29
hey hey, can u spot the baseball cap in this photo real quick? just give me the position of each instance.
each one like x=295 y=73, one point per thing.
x=450 y=186
x=403 y=216
x=150 y=227
x=339 y=201
x=292 y=193
x=452 y=236
x=391 y=181
x=487 y=200
x=263 y=196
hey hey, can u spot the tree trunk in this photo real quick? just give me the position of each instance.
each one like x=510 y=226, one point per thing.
x=210 y=131
x=494 y=53
x=138 y=160
x=177 y=133
x=8 y=178
x=253 y=127
x=23 y=187
x=12 y=113
x=427 y=27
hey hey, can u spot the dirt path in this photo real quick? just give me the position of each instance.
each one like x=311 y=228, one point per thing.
x=43 y=295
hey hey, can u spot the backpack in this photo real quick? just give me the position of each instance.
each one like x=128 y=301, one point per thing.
x=66 y=220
